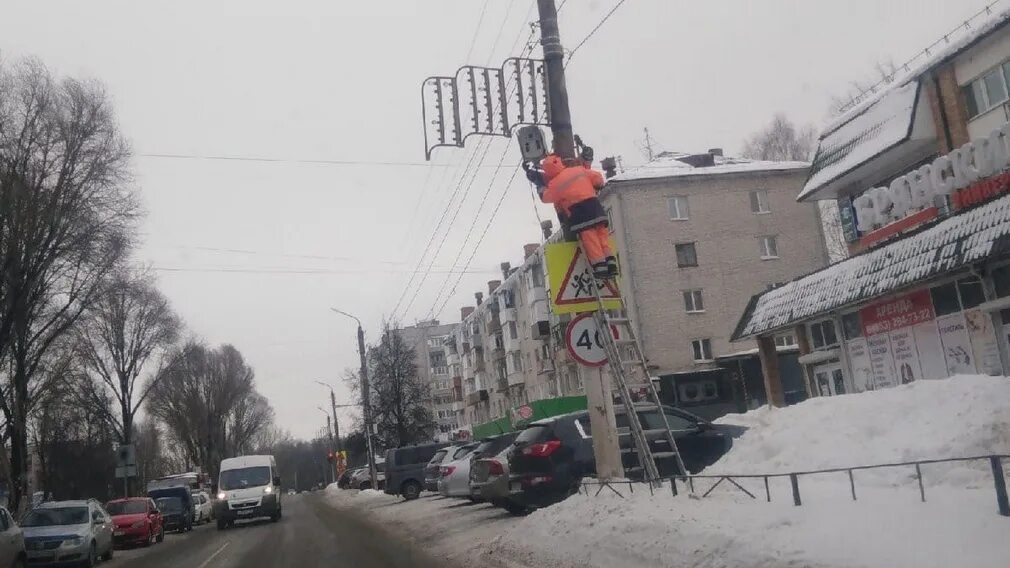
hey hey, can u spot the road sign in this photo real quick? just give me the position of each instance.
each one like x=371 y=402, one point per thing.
x=582 y=338
x=126 y=455
x=572 y=281
x=128 y=471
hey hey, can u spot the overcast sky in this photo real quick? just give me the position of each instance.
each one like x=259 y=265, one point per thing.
x=254 y=254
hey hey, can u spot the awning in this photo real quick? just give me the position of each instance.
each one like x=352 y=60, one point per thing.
x=970 y=236
x=863 y=147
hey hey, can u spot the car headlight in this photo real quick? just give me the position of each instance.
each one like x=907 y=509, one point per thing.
x=138 y=524
x=222 y=496
x=268 y=489
x=72 y=542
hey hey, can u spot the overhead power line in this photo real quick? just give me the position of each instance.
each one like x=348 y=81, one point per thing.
x=270 y=160
x=320 y=271
x=594 y=30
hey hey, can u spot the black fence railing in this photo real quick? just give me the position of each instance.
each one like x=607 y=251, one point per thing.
x=995 y=466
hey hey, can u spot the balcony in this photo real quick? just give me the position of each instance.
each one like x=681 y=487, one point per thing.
x=476 y=397
x=516 y=379
x=452 y=359
x=503 y=384
x=439 y=371
x=509 y=314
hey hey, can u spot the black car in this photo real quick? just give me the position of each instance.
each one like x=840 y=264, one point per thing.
x=173 y=514
x=405 y=469
x=551 y=456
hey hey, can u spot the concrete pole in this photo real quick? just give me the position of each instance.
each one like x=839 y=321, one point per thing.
x=606 y=447
x=333 y=466
x=366 y=406
x=557 y=89
x=336 y=425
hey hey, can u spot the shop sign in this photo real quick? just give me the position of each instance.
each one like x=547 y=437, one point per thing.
x=904 y=311
x=859 y=364
x=983 y=342
x=956 y=345
x=917 y=190
x=906 y=356
x=881 y=361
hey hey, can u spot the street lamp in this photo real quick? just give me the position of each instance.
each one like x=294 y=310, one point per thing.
x=329 y=433
x=366 y=406
x=333 y=408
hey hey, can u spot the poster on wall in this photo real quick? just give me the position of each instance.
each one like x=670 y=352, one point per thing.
x=956 y=345
x=927 y=343
x=859 y=365
x=983 y=342
x=906 y=356
x=881 y=361
x=900 y=312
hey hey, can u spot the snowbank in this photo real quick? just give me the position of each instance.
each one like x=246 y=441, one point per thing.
x=958 y=417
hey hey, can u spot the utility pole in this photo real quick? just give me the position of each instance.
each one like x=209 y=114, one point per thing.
x=366 y=407
x=599 y=397
x=333 y=464
x=336 y=425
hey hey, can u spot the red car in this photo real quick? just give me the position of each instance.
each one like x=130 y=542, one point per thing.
x=136 y=521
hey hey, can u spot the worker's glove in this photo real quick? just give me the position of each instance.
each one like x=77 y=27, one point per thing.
x=587 y=154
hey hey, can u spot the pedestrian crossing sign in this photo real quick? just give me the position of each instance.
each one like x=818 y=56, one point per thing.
x=571 y=280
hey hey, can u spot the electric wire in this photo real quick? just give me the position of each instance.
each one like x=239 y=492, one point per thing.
x=594 y=30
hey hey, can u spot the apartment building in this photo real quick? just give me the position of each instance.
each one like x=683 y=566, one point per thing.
x=921 y=172
x=428 y=338
x=698 y=235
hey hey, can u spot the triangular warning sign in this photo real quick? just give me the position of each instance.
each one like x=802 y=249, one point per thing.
x=577 y=285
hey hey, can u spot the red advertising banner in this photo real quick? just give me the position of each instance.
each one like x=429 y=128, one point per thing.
x=903 y=311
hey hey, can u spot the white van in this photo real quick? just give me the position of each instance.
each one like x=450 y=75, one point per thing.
x=248 y=487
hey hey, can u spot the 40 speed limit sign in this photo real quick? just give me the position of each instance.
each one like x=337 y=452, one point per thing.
x=582 y=338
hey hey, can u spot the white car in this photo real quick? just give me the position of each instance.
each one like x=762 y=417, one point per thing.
x=203 y=511
x=454 y=476
x=361 y=480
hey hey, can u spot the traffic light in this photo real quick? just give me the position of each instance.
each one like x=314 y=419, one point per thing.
x=329 y=457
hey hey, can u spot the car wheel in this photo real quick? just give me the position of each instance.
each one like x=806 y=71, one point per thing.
x=515 y=508
x=108 y=553
x=410 y=490
x=150 y=537
x=221 y=525
x=364 y=485
x=161 y=534
x=92 y=556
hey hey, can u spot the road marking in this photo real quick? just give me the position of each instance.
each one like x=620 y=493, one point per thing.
x=207 y=561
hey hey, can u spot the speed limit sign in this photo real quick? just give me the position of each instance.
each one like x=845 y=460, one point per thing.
x=582 y=338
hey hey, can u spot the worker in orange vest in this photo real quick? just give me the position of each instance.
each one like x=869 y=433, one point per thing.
x=573 y=191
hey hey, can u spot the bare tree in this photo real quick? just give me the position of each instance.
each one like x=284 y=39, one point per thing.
x=65 y=220
x=884 y=73
x=152 y=461
x=207 y=401
x=398 y=395
x=781 y=141
x=129 y=324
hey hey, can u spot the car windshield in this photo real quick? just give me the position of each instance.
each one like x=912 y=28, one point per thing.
x=169 y=504
x=126 y=507
x=56 y=516
x=245 y=477
x=437 y=458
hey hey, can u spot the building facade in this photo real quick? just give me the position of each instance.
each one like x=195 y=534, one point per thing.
x=427 y=338
x=698 y=235
x=921 y=173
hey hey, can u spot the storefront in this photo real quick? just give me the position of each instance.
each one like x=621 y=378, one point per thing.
x=929 y=300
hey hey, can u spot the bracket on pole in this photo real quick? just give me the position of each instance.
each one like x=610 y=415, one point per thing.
x=488 y=101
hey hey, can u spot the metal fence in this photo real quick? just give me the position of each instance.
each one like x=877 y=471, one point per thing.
x=689 y=481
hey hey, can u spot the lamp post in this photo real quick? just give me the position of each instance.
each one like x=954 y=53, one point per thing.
x=333 y=408
x=329 y=432
x=366 y=405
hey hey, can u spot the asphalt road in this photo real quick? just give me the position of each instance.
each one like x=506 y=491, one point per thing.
x=311 y=533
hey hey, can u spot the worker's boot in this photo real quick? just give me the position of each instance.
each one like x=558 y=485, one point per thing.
x=612 y=266
x=601 y=270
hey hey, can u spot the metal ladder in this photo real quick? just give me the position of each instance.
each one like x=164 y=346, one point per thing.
x=620 y=370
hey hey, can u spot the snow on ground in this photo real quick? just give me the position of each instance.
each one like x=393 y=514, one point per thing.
x=888 y=526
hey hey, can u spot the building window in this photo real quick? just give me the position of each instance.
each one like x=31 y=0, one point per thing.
x=759 y=201
x=945 y=299
x=785 y=340
x=678 y=207
x=769 y=247
x=693 y=302
x=686 y=255
x=513 y=332
x=852 y=326
x=822 y=334
x=988 y=91
x=702 y=350
x=517 y=362
x=970 y=290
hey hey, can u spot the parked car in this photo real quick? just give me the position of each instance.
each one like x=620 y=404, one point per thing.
x=344 y=479
x=183 y=513
x=203 y=510
x=433 y=471
x=249 y=487
x=551 y=456
x=136 y=520
x=456 y=483
x=173 y=514
x=61 y=532
x=489 y=478
x=405 y=468
x=361 y=479
x=454 y=473
x=12 y=542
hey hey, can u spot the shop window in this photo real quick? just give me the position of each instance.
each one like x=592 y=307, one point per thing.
x=785 y=340
x=851 y=326
x=945 y=299
x=702 y=349
x=686 y=255
x=971 y=292
x=822 y=334
x=678 y=207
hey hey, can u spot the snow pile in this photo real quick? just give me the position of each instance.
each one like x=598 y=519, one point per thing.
x=669 y=164
x=963 y=416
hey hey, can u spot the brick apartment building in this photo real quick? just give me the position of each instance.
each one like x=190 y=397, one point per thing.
x=920 y=170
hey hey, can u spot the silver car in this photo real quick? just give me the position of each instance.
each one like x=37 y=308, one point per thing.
x=68 y=532
x=12 y=542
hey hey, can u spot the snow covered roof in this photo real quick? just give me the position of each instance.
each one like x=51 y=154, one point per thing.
x=877 y=128
x=670 y=164
x=972 y=235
